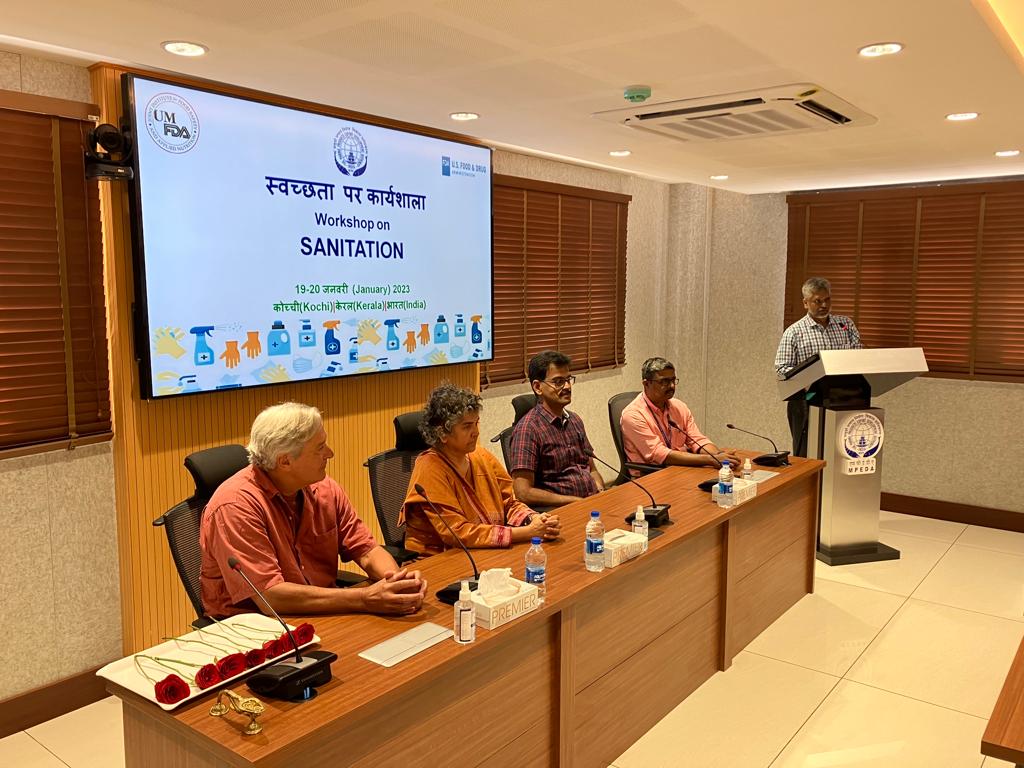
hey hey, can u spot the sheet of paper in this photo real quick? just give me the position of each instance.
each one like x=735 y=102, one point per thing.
x=760 y=475
x=409 y=643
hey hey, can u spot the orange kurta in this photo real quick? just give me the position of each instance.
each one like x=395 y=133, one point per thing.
x=481 y=509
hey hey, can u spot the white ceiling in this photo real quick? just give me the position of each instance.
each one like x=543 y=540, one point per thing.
x=537 y=71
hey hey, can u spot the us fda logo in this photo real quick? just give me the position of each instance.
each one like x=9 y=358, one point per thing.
x=350 y=153
x=860 y=438
x=172 y=123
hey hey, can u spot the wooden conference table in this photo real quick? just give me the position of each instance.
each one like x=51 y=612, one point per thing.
x=571 y=684
x=1004 y=735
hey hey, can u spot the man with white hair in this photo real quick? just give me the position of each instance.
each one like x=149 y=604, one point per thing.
x=817 y=330
x=287 y=523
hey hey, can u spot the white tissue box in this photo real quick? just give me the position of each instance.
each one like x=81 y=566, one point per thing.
x=620 y=546
x=742 y=490
x=493 y=614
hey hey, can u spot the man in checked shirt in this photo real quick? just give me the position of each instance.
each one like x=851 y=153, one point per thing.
x=817 y=330
x=550 y=459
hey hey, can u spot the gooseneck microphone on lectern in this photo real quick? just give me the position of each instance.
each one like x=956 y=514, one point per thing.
x=290 y=679
x=656 y=514
x=777 y=459
x=450 y=594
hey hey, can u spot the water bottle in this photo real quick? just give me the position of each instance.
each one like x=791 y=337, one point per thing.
x=725 y=485
x=593 y=552
x=465 y=616
x=536 y=567
x=640 y=524
x=748 y=471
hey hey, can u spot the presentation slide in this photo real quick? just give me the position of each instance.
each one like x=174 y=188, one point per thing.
x=278 y=245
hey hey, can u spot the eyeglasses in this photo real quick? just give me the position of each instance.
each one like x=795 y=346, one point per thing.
x=820 y=302
x=666 y=382
x=560 y=383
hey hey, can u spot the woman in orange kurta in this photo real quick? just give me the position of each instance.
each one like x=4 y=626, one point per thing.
x=468 y=486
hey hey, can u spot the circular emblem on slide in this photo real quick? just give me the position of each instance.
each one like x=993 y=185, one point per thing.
x=860 y=436
x=172 y=123
x=350 y=152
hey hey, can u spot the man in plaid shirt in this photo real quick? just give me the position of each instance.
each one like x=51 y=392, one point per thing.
x=817 y=330
x=550 y=459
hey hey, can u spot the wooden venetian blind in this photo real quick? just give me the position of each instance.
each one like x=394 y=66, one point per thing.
x=53 y=346
x=939 y=267
x=559 y=276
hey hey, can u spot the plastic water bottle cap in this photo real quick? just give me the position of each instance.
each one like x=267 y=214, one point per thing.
x=725 y=463
x=535 y=540
x=595 y=513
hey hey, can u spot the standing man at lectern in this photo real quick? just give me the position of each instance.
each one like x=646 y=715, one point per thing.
x=817 y=330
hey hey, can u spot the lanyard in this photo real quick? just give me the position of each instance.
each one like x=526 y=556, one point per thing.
x=666 y=436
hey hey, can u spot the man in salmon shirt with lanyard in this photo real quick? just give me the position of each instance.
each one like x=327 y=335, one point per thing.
x=658 y=429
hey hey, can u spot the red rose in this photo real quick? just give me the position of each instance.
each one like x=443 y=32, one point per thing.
x=207 y=676
x=304 y=633
x=231 y=665
x=255 y=657
x=171 y=690
x=282 y=646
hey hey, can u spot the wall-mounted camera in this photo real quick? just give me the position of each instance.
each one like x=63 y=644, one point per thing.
x=108 y=154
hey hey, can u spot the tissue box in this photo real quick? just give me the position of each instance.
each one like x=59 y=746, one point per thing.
x=491 y=615
x=620 y=546
x=742 y=490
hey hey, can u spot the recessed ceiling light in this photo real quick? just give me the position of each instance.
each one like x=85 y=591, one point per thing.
x=620 y=153
x=880 y=49
x=184 y=48
x=961 y=116
x=718 y=177
x=1007 y=153
x=463 y=116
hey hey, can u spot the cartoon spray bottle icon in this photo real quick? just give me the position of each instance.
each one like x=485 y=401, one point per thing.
x=475 y=335
x=203 y=354
x=332 y=346
x=392 y=334
x=307 y=336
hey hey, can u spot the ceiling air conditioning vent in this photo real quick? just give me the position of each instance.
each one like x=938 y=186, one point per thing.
x=767 y=112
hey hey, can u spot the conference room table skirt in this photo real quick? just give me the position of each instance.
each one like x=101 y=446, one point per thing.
x=571 y=684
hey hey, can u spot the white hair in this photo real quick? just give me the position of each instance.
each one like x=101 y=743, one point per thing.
x=281 y=429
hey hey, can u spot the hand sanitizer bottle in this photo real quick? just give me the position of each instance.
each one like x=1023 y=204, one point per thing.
x=640 y=524
x=465 y=616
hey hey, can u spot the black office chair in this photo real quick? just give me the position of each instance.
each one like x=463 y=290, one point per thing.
x=616 y=405
x=521 y=404
x=209 y=468
x=390 y=472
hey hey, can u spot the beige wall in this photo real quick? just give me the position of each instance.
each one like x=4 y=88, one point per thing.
x=58 y=541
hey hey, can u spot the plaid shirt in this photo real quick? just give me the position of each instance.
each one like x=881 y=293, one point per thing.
x=806 y=338
x=554 y=449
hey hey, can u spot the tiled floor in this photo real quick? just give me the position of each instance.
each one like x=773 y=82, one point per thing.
x=886 y=665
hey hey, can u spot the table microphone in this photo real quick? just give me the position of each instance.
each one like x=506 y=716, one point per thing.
x=777 y=459
x=656 y=515
x=450 y=594
x=292 y=679
x=708 y=485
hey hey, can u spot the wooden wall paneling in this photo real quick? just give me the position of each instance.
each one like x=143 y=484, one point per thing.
x=531 y=750
x=622 y=706
x=152 y=438
x=656 y=592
